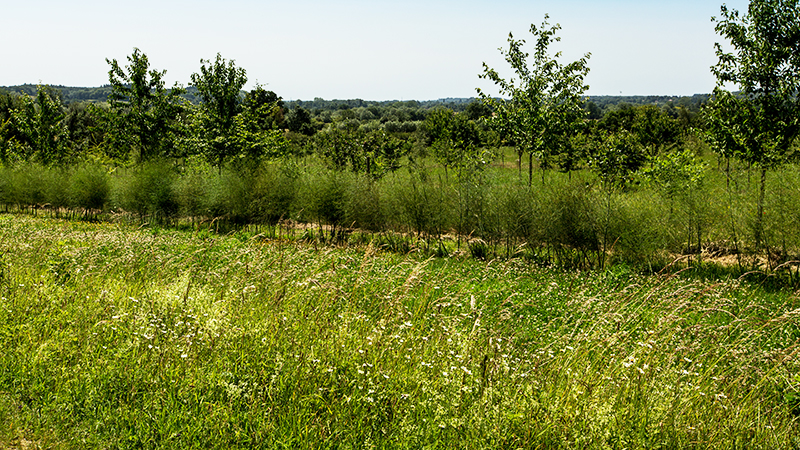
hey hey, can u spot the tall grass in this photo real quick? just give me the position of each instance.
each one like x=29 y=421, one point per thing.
x=149 y=338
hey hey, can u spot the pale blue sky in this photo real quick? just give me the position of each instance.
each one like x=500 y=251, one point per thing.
x=374 y=50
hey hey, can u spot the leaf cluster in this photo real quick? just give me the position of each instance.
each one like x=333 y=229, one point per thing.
x=761 y=122
x=543 y=104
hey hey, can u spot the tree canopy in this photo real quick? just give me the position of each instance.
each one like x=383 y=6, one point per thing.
x=145 y=111
x=545 y=104
x=760 y=123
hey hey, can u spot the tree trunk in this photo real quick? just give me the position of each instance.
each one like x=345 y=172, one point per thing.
x=759 y=232
x=530 y=169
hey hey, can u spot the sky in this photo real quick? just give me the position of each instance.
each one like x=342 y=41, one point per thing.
x=372 y=50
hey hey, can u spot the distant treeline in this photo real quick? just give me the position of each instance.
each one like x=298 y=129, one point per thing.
x=71 y=94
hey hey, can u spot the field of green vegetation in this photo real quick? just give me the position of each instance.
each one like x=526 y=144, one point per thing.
x=214 y=268
x=691 y=206
x=120 y=336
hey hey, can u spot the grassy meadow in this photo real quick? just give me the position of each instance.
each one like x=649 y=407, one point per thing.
x=120 y=336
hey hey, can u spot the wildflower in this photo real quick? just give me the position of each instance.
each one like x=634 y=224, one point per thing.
x=629 y=361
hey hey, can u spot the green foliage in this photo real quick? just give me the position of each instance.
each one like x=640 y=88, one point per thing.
x=90 y=186
x=545 y=105
x=761 y=123
x=298 y=120
x=35 y=130
x=652 y=127
x=219 y=84
x=149 y=191
x=275 y=191
x=230 y=196
x=229 y=128
x=143 y=113
x=677 y=173
x=421 y=204
x=454 y=141
x=373 y=153
x=571 y=219
x=327 y=199
x=265 y=109
x=616 y=157
x=123 y=337
x=84 y=128
x=32 y=185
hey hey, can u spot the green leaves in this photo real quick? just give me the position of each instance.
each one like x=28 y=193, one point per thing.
x=144 y=113
x=454 y=140
x=615 y=157
x=232 y=128
x=373 y=153
x=545 y=104
x=677 y=173
x=36 y=130
x=220 y=84
x=759 y=124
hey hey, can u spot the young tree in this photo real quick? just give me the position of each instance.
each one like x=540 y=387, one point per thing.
x=36 y=130
x=143 y=112
x=545 y=105
x=760 y=123
x=453 y=138
x=651 y=126
x=219 y=85
x=265 y=108
x=298 y=120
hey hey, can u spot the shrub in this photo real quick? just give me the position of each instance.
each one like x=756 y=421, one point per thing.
x=192 y=191
x=274 y=192
x=364 y=204
x=419 y=205
x=230 y=194
x=149 y=190
x=89 y=187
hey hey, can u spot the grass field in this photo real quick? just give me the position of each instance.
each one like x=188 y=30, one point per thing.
x=120 y=337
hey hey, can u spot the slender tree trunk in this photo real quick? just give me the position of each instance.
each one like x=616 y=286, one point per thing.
x=760 y=209
x=734 y=234
x=530 y=169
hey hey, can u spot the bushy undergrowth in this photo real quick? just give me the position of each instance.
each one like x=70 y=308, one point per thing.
x=150 y=338
x=572 y=221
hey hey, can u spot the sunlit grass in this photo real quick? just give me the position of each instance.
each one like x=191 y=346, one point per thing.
x=143 y=338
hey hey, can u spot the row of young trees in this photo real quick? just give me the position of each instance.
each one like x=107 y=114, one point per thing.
x=542 y=114
x=758 y=125
x=144 y=120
